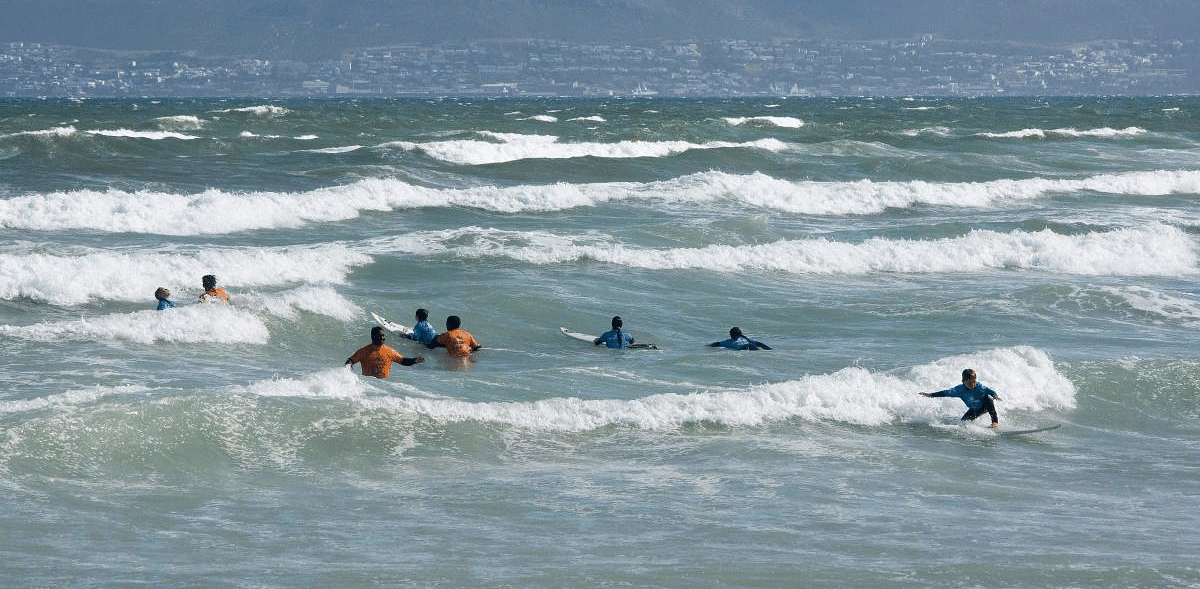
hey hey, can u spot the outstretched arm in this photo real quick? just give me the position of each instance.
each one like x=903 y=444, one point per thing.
x=411 y=361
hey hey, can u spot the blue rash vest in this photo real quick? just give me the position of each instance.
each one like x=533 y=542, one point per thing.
x=165 y=304
x=972 y=397
x=423 y=332
x=616 y=339
x=740 y=343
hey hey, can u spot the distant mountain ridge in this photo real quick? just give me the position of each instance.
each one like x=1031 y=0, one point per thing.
x=318 y=29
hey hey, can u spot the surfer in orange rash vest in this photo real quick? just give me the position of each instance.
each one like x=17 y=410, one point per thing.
x=377 y=357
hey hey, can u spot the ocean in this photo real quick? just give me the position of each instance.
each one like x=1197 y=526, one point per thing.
x=879 y=247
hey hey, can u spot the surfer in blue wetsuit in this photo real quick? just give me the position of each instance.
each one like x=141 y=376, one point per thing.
x=977 y=397
x=164 y=298
x=423 y=332
x=738 y=341
x=615 y=338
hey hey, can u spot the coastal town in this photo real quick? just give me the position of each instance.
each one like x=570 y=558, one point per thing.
x=922 y=66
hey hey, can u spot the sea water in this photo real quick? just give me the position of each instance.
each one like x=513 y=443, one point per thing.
x=878 y=246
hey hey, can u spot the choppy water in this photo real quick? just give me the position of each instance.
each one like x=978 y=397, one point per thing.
x=879 y=246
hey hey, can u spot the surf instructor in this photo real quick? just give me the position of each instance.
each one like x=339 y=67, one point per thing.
x=377 y=357
x=977 y=397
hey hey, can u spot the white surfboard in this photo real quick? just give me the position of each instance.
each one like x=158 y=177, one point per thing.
x=392 y=326
x=583 y=337
x=1035 y=430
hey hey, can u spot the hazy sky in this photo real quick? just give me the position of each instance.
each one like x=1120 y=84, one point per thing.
x=316 y=28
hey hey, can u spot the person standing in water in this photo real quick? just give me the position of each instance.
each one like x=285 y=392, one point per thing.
x=457 y=341
x=377 y=358
x=164 y=298
x=211 y=291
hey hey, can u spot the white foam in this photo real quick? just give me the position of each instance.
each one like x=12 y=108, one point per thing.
x=318 y=300
x=508 y=147
x=184 y=122
x=216 y=212
x=1155 y=250
x=155 y=135
x=1036 y=133
x=76 y=277
x=1164 y=306
x=261 y=110
x=784 y=122
x=332 y=383
x=52 y=132
x=198 y=323
x=70 y=399
x=1025 y=377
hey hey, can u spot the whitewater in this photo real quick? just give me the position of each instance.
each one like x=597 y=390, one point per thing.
x=878 y=246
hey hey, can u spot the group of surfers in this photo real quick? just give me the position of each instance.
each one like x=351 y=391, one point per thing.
x=377 y=357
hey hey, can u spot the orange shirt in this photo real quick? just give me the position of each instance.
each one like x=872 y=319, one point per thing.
x=218 y=293
x=458 y=342
x=376 y=360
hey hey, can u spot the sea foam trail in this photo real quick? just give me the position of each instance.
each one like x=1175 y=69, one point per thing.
x=1025 y=377
x=785 y=122
x=220 y=212
x=71 y=399
x=1036 y=133
x=76 y=278
x=1156 y=250
x=199 y=323
x=509 y=147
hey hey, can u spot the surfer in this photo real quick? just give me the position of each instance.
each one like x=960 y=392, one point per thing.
x=377 y=357
x=738 y=341
x=977 y=397
x=163 y=295
x=423 y=332
x=211 y=290
x=457 y=341
x=615 y=338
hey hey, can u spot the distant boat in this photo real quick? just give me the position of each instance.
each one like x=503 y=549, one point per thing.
x=642 y=90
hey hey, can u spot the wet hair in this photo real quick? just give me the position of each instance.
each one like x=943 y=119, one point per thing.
x=453 y=322
x=968 y=373
x=735 y=332
x=617 y=323
x=209 y=281
x=162 y=293
x=422 y=314
x=377 y=335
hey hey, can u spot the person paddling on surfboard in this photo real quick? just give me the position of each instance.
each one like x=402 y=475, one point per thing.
x=615 y=338
x=738 y=341
x=977 y=397
x=377 y=357
x=423 y=332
